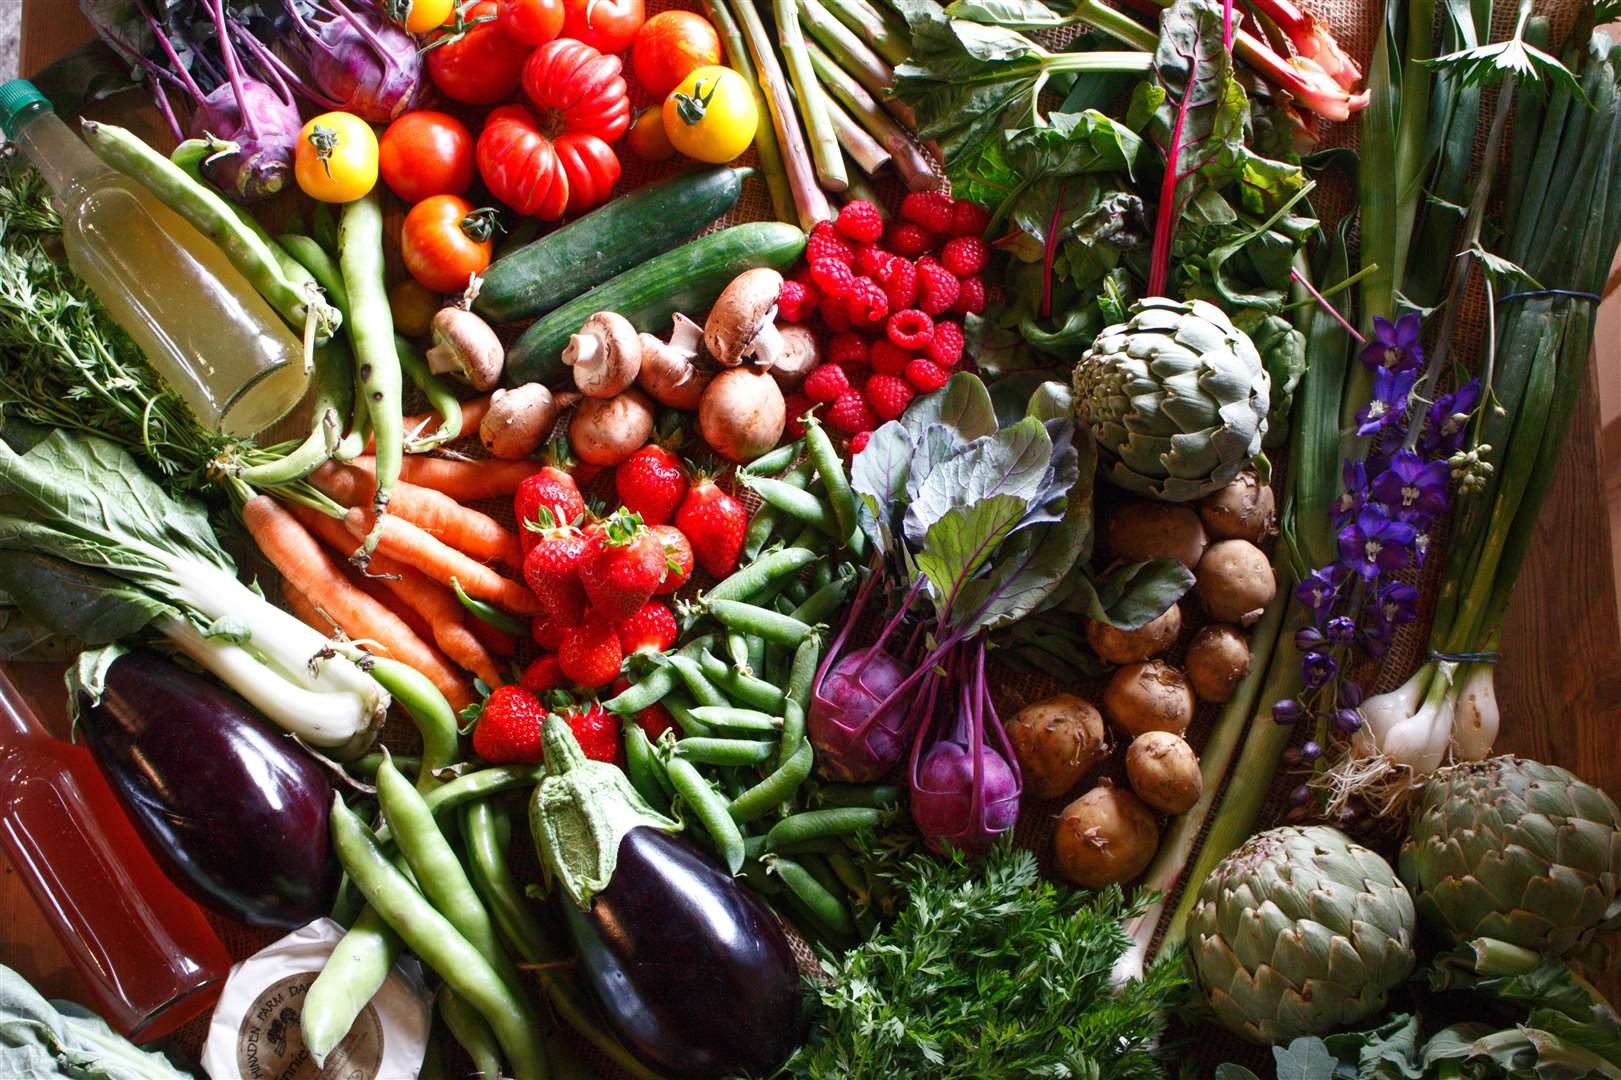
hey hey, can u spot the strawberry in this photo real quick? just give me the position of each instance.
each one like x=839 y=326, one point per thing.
x=552 y=488
x=597 y=732
x=621 y=567
x=652 y=627
x=714 y=524
x=544 y=673
x=655 y=720
x=552 y=570
x=590 y=654
x=677 y=558
x=508 y=728
x=652 y=482
x=548 y=633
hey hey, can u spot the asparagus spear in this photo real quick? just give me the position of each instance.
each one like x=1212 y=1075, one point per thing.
x=765 y=136
x=890 y=41
x=824 y=142
x=916 y=168
x=866 y=66
x=811 y=203
x=861 y=147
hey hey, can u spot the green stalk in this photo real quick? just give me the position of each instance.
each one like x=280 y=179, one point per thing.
x=765 y=136
x=810 y=203
x=864 y=65
x=824 y=141
x=864 y=150
x=890 y=41
x=915 y=167
x=1116 y=24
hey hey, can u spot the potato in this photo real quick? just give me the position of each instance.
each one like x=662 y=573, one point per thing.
x=1150 y=696
x=1128 y=646
x=1164 y=771
x=1243 y=510
x=1057 y=742
x=1142 y=530
x=1234 y=581
x=1217 y=658
x=1106 y=837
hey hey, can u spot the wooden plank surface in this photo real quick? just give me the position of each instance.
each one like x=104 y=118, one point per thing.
x=1559 y=684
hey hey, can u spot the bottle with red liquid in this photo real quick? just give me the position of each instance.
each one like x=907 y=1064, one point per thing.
x=145 y=950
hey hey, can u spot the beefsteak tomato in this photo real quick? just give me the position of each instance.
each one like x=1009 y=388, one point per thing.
x=539 y=176
x=577 y=89
x=608 y=25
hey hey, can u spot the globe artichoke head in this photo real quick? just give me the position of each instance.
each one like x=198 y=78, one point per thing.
x=1513 y=849
x=1177 y=396
x=1298 y=932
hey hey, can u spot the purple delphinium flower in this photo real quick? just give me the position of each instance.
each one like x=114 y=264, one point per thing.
x=1318 y=668
x=1389 y=403
x=1447 y=421
x=1373 y=544
x=1320 y=588
x=1341 y=629
x=1354 y=477
x=1396 y=604
x=1412 y=489
x=1394 y=346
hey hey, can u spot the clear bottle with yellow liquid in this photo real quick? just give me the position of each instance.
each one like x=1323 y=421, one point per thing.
x=200 y=323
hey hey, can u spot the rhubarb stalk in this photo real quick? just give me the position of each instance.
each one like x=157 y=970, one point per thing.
x=809 y=201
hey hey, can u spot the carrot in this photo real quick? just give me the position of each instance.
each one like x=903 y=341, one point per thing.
x=464 y=481
x=468 y=531
x=499 y=642
x=310 y=570
x=415 y=547
x=473 y=410
x=378 y=590
x=300 y=605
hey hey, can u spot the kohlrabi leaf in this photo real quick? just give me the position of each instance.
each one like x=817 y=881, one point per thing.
x=45 y=1040
x=1305 y=1058
x=1013 y=462
x=878 y=477
x=936 y=443
x=1026 y=573
x=1052 y=400
x=1133 y=595
x=958 y=543
x=963 y=404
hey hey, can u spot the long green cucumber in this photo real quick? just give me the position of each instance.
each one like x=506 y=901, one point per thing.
x=687 y=280
x=648 y=221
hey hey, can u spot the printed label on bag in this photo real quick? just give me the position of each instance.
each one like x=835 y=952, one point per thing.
x=270 y=1043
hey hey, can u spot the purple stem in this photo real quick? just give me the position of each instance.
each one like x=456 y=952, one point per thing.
x=233 y=70
x=308 y=31
x=168 y=50
x=364 y=31
x=1322 y=300
x=286 y=77
x=859 y=605
x=160 y=97
x=889 y=627
x=270 y=65
x=921 y=719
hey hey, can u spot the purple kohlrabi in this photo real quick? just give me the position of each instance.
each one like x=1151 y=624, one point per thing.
x=262 y=124
x=856 y=742
x=363 y=63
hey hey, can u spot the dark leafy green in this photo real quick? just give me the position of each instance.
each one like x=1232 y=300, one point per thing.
x=58 y=1040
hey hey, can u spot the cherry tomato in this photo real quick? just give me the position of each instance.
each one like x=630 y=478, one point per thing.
x=519 y=164
x=577 y=89
x=533 y=22
x=421 y=16
x=336 y=158
x=475 y=64
x=711 y=115
x=445 y=240
x=669 y=47
x=608 y=25
x=413 y=306
x=426 y=153
x=647 y=139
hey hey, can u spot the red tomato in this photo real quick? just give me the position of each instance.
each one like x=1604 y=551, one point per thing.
x=578 y=89
x=591 y=166
x=519 y=164
x=608 y=25
x=445 y=241
x=426 y=153
x=476 y=64
x=669 y=47
x=533 y=22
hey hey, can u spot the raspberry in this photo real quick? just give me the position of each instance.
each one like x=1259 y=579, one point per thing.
x=835 y=316
x=865 y=302
x=965 y=256
x=825 y=243
x=889 y=395
x=797 y=302
x=926 y=376
x=937 y=287
x=945 y=347
x=970 y=296
x=797 y=405
x=832 y=277
x=859 y=441
x=871 y=261
x=850 y=413
x=860 y=221
x=968 y=218
x=847 y=348
x=909 y=329
x=899 y=279
x=930 y=209
x=909 y=240
x=826 y=382
x=888 y=358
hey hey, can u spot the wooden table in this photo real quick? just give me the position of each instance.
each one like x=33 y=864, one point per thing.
x=1559 y=687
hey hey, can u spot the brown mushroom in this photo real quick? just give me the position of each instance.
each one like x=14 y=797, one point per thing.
x=520 y=419
x=741 y=325
x=799 y=355
x=670 y=373
x=465 y=346
x=606 y=355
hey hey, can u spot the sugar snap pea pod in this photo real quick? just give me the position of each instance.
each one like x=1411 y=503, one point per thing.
x=680 y=708
x=875 y=796
x=824 y=603
x=332 y=396
x=469 y=1029
x=797 y=592
x=734 y=684
x=474 y=785
x=366 y=766
x=440 y=398
x=439 y=945
x=821 y=902
x=850 y=876
x=750 y=579
x=489 y=613
x=691 y=674
x=775 y=788
x=754 y=653
x=737 y=649
x=761 y=527
x=319 y=265
x=802 y=673
x=762 y=622
x=353 y=972
x=822 y=574
x=709 y=751
x=210 y=215
x=641 y=765
x=731 y=718
x=653 y=686
x=775 y=461
x=814 y=824
x=830 y=467
x=377 y=363
x=801 y=505
x=709 y=808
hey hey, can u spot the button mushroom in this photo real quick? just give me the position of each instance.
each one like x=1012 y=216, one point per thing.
x=799 y=354
x=606 y=355
x=520 y=419
x=465 y=346
x=670 y=373
x=741 y=325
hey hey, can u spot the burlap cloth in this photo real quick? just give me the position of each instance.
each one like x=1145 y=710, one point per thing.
x=1356 y=25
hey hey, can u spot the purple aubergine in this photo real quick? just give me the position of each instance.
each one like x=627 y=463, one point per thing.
x=263 y=124
x=852 y=744
x=233 y=810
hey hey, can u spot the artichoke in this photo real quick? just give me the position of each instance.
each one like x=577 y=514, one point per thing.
x=1516 y=850
x=1177 y=395
x=1298 y=932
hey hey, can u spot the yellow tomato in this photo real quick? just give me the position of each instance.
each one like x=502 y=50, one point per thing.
x=336 y=159
x=711 y=115
x=414 y=305
x=420 y=16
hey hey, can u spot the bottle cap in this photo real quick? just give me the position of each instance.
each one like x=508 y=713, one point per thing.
x=19 y=98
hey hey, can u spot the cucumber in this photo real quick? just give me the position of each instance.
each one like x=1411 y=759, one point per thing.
x=687 y=280
x=537 y=277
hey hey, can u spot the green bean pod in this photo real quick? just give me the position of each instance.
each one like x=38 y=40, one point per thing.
x=488 y=613
x=762 y=622
x=874 y=796
x=440 y=398
x=435 y=720
x=822 y=903
x=319 y=265
x=775 y=788
x=354 y=971
x=474 y=785
x=468 y=1028
x=366 y=765
x=332 y=396
x=371 y=331
x=775 y=461
x=814 y=824
x=709 y=751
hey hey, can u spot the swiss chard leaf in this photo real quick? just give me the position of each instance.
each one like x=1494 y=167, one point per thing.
x=1072 y=143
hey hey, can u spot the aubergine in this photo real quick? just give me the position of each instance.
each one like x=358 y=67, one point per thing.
x=232 y=809
x=693 y=972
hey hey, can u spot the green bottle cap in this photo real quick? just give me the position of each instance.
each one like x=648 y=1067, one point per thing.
x=19 y=98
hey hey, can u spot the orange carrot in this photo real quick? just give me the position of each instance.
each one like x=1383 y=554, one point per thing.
x=415 y=547
x=499 y=642
x=310 y=570
x=378 y=590
x=468 y=531
x=300 y=605
x=473 y=410
x=464 y=481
